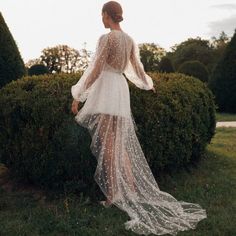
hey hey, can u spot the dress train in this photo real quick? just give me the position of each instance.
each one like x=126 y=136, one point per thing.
x=125 y=178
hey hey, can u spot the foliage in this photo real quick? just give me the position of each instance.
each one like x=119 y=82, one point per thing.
x=195 y=69
x=219 y=45
x=62 y=58
x=32 y=62
x=177 y=122
x=150 y=55
x=38 y=69
x=165 y=65
x=192 y=49
x=223 y=79
x=11 y=64
x=41 y=142
x=220 y=42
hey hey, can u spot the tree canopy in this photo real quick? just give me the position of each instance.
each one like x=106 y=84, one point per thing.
x=223 y=79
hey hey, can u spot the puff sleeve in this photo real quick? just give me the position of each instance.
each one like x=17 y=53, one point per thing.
x=135 y=70
x=82 y=88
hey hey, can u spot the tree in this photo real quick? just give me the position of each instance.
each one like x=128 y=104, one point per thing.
x=11 y=64
x=219 y=45
x=150 y=55
x=192 y=49
x=221 y=41
x=62 y=58
x=223 y=79
x=195 y=69
x=165 y=65
x=32 y=62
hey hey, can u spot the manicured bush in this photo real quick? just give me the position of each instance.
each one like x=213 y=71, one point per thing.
x=11 y=64
x=38 y=69
x=41 y=142
x=176 y=124
x=195 y=69
x=223 y=79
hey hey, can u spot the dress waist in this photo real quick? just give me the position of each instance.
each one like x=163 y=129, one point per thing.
x=109 y=68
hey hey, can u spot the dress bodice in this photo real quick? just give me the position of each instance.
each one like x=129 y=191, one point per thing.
x=119 y=50
x=116 y=51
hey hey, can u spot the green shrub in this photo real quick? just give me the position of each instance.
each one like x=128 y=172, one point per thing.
x=223 y=79
x=195 y=69
x=41 y=142
x=165 y=65
x=38 y=69
x=11 y=64
x=176 y=124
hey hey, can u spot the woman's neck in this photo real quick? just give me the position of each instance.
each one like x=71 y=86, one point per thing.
x=115 y=28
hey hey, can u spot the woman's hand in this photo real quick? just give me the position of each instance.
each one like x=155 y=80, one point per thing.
x=153 y=89
x=74 y=107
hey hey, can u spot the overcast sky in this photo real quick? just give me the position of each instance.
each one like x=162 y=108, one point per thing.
x=37 y=24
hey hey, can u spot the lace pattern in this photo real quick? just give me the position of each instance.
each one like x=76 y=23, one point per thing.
x=122 y=172
x=125 y=178
x=115 y=51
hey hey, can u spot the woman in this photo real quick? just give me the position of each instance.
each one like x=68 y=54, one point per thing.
x=122 y=172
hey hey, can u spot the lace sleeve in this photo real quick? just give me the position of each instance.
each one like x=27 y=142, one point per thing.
x=82 y=88
x=135 y=70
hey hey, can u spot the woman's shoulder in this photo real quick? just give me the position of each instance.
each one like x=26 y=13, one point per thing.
x=113 y=35
x=108 y=36
x=102 y=36
x=118 y=34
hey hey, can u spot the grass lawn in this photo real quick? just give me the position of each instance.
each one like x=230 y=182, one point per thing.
x=212 y=185
x=225 y=117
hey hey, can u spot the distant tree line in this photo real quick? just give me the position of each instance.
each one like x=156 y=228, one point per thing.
x=207 y=52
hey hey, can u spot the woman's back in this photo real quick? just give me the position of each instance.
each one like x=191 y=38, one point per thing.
x=120 y=46
x=117 y=49
x=118 y=52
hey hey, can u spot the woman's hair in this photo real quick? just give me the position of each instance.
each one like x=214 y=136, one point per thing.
x=114 y=10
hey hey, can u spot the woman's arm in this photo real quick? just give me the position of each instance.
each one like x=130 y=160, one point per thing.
x=81 y=89
x=135 y=72
x=99 y=62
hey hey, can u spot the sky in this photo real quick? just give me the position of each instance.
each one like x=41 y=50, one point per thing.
x=37 y=24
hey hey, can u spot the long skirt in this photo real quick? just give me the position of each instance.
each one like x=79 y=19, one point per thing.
x=122 y=171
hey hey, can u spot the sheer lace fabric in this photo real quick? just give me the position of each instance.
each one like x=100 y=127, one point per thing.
x=122 y=172
x=115 y=52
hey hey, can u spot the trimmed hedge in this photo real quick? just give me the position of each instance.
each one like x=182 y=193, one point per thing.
x=38 y=69
x=41 y=142
x=176 y=124
x=11 y=63
x=195 y=69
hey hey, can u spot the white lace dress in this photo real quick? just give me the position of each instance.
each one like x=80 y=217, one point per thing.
x=122 y=172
